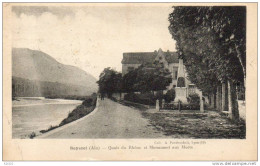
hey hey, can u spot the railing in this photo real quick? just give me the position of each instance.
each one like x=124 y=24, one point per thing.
x=175 y=106
x=169 y=106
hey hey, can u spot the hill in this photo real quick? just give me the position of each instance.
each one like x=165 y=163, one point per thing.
x=38 y=70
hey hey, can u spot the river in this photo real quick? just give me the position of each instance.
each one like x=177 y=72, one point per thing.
x=37 y=113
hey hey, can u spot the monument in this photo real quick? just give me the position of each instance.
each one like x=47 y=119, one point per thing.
x=181 y=89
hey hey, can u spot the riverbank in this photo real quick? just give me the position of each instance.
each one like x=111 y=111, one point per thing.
x=32 y=114
x=109 y=120
x=82 y=110
x=31 y=101
x=70 y=97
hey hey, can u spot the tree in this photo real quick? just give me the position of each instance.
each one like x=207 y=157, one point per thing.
x=211 y=41
x=147 y=78
x=162 y=76
x=110 y=81
x=128 y=81
x=170 y=95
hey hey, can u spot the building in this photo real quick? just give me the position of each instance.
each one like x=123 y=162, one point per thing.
x=132 y=60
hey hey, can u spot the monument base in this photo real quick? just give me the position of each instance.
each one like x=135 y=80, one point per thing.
x=181 y=95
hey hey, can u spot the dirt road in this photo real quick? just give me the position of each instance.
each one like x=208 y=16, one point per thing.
x=109 y=120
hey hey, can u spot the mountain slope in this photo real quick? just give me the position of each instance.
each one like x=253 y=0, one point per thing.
x=36 y=65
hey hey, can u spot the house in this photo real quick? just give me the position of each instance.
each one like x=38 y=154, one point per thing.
x=133 y=60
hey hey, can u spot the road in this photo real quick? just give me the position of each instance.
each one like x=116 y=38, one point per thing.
x=108 y=120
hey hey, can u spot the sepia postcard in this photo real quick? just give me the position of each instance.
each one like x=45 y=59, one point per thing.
x=130 y=81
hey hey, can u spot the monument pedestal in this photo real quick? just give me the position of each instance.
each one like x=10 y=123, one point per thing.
x=181 y=94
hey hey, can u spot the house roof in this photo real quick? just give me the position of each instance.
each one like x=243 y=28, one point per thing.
x=147 y=57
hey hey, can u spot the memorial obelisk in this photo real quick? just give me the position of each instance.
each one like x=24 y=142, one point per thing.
x=181 y=89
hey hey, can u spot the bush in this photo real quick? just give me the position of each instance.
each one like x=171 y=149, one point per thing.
x=90 y=100
x=143 y=98
x=159 y=95
x=194 y=99
x=190 y=106
x=149 y=99
x=174 y=106
x=169 y=96
x=32 y=135
x=87 y=102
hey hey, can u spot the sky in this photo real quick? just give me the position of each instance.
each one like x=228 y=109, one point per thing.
x=92 y=37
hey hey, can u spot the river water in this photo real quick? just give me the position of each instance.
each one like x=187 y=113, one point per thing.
x=37 y=113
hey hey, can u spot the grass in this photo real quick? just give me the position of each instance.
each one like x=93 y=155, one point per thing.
x=193 y=124
x=82 y=110
x=78 y=113
x=32 y=135
x=49 y=129
x=196 y=125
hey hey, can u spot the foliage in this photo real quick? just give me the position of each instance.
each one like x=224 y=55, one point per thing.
x=110 y=81
x=145 y=98
x=82 y=110
x=211 y=41
x=90 y=101
x=169 y=96
x=147 y=77
x=32 y=135
x=159 y=95
x=194 y=99
x=35 y=88
x=129 y=80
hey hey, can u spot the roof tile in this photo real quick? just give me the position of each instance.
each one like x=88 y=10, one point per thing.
x=147 y=57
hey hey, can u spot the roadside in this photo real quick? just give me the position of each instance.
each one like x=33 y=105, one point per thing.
x=192 y=123
x=87 y=106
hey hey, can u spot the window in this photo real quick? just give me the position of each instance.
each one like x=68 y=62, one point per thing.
x=176 y=74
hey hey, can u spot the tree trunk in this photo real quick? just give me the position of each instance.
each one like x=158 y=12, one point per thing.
x=212 y=100
x=229 y=99
x=224 y=99
x=215 y=100
x=239 y=56
x=219 y=98
x=201 y=105
x=226 y=96
x=232 y=101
